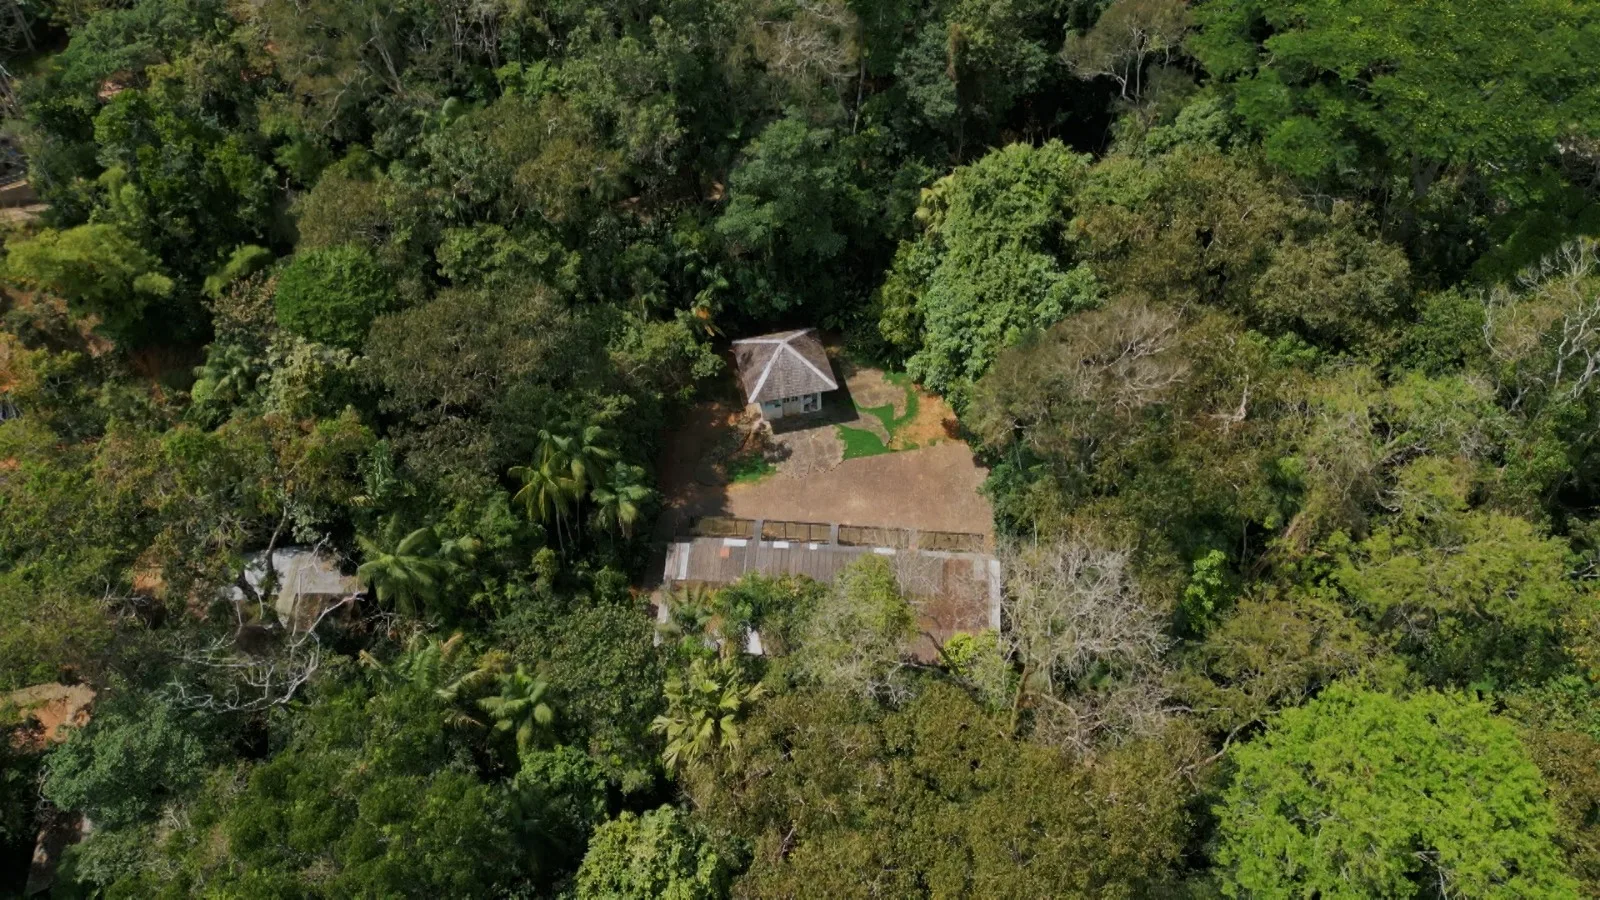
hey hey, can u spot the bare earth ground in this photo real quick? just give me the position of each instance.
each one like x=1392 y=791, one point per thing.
x=934 y=488
x=934 y=422
x=931 y=489
x=51 y=707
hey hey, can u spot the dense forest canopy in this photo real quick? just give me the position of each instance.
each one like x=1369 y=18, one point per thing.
x=1275 y=324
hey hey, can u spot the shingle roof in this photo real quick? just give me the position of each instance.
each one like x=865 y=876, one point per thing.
x=786 y=364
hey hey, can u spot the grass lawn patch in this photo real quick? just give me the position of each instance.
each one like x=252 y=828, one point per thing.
x=858 y=443
x=748 y=468
x=885 y=414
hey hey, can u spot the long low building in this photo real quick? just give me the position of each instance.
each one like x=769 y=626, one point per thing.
x=954 y=591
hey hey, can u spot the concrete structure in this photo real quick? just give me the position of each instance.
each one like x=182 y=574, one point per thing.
x=308 y=580
x=785 y=374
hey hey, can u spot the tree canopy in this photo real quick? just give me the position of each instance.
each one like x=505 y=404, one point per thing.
x=1364 y=794
x=359 y=358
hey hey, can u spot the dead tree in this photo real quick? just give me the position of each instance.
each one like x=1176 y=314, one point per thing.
x=1128 y=34
x=1072 y=610
x=255 y=666
x=1547 y=332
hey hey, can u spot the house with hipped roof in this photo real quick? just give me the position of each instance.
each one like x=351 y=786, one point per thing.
x=786 y=373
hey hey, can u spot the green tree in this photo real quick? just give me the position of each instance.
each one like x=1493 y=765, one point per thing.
x=933 y=800
x=792 y=203
x=1544 y=355
x=1128 y=35
x=99 y=270
x=560 y=794
x=663 y=854
x=995 y=260
x=1367 y=794
x=404 y=570
x=472 y=370
x=1360 y=87
x=541 y=155
x=189 y=187
x=705 y=705
x=1124 y=420
x=1204 y=595
x=968 y=64
x=858 y=635
x=1561 y=729
x=133 y=757
x=523 y=707
x=331 y=296
x=1275 y=651
x=602 y=652
x=373 y=794
x=1466 y=594
x=1196 y=225
x=50 y=625
x=146 y=120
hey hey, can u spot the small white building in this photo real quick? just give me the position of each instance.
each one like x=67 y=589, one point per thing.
x=308 y=581
x=786 y=373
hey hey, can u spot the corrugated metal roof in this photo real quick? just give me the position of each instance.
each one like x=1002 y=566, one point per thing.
x=784 y=364
x=956 y=591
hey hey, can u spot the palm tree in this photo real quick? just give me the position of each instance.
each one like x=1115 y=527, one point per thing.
x=442 y=667
x=566 y=465
x=522 y=707
x=618 y=499
x=461 y=551
x=704 y=708
x=691 y=612
x=553 y=445
x=546 y=492
x=587 y=457
x=229 y=377
x=408 y=573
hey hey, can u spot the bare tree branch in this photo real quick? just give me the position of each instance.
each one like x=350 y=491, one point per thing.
x=1073 y=609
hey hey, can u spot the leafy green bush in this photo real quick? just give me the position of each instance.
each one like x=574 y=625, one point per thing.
x=331 y=296
x=130 y=759
x=244 y=261
x=1366 y=794
x=1205 y=594
x=661 y=854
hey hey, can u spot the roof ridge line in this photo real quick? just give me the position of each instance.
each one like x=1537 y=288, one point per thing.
x=800 y=356
x=762 y=381
x=768 y=339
